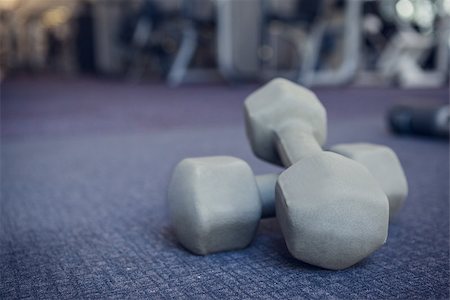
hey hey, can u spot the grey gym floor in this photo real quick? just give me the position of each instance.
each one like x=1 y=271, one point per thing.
x=85 y=165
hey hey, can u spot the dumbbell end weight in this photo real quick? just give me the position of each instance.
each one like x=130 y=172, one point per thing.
x=331 y=211
x=216 y=203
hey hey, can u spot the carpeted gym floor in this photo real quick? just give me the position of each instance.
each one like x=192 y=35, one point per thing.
x=85 y=165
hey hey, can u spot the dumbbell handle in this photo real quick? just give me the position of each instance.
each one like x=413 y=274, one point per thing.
x=294 y=141
x=266 y=187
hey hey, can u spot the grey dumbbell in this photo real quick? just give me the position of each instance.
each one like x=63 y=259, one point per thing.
x=329 y=209
x=216 y=203
x=285 y=121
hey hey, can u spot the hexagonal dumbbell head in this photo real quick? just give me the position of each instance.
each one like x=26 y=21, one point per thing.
x=277 y=106
x=331 y=211
x=214 y=204
x=384 y=165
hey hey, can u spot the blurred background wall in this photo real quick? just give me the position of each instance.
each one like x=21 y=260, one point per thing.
x=314 y=42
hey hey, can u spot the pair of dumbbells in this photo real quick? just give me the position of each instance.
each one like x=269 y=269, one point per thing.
x=333 y=206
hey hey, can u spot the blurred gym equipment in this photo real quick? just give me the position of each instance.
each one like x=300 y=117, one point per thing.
x=329 y=38
x=198 y=16
x=351 y=32
x=326 y=42
x=238 y=40
x=147 y=38
x=422 y=35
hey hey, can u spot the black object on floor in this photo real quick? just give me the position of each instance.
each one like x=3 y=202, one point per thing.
x=415 y=120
